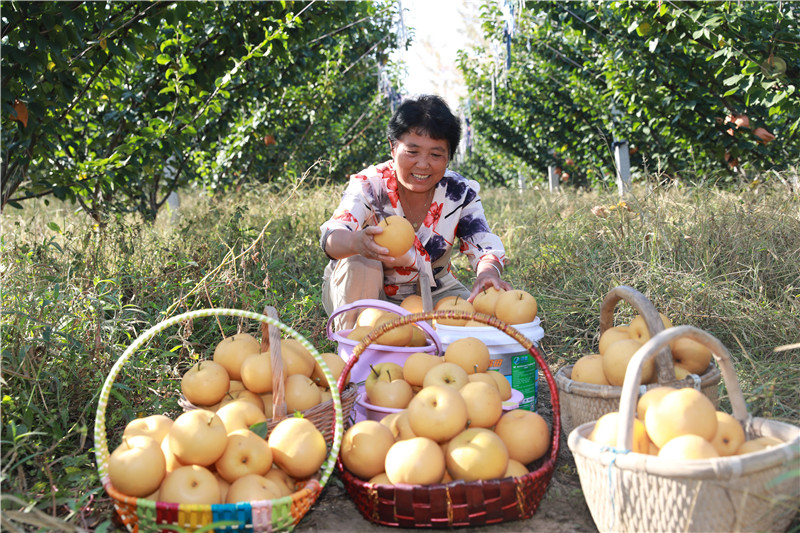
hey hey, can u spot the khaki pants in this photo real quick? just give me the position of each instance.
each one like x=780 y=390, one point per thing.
x=352 y=278
x=358 y=278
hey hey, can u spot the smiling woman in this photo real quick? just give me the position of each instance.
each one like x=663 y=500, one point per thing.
x=441 y=205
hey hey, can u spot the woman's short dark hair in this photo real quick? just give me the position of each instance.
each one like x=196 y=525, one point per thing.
x=426 y=115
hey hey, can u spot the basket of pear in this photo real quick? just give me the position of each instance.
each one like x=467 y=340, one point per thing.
x=670 y=460
x=205 y=468
x=390 y=386
x=448 y=455
x=263 y=381
x=592 y=386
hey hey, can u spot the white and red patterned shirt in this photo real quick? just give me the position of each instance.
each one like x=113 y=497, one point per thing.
x=455 y=213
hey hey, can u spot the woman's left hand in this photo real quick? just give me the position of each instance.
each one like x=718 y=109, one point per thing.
x=488 y=278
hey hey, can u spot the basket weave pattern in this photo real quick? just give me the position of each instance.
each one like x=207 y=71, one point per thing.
x=281 y=514
x=458 y=503
x=636 y=492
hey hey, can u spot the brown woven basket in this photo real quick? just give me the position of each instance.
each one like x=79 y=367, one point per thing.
x=319 y=414
x=628 y=491
x=458 y=503
x=585 y=402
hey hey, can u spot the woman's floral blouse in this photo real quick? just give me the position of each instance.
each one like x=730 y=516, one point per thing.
x=455 y=212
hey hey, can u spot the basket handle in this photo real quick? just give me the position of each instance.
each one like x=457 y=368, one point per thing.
x=633 y=376
x=383 y=306
x=271 y=338
x=665 y=371
x=100 y=437
x=478 y=317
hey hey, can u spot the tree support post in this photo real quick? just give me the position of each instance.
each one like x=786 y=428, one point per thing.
x=552 y=177
x=623 y=165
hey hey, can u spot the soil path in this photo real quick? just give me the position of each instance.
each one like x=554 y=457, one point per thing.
x=562 y=510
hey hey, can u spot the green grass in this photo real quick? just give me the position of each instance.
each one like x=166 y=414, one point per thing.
x=75 y=296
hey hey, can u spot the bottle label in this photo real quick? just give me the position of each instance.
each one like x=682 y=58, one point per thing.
x=525 y=379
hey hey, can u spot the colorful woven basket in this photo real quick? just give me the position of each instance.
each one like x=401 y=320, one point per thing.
x=281 y=514
x=628 y=491
x=458 y=503
x=585 y=402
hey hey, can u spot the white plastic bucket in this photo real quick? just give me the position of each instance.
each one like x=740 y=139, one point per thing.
x=507 y=356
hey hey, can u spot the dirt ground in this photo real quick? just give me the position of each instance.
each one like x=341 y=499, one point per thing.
x=563 y=508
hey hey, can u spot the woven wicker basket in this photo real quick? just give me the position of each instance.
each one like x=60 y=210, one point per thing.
x=457 y=503
x=628 y=491
x=585 y=402
x=319 y=414
x=281 y=514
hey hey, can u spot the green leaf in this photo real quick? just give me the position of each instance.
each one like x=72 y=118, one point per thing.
x=733 y=79
x=163 y=59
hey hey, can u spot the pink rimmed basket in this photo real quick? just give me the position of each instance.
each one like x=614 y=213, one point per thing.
x=282 y=514
x=585 y=402
x=458 y=503
x=632 y=492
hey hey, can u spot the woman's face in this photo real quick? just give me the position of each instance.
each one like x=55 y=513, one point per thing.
x=419 y=161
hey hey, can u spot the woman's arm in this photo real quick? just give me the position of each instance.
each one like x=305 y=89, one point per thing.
x=343 y=243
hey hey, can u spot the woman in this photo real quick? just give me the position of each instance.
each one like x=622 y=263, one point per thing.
x=440 y=204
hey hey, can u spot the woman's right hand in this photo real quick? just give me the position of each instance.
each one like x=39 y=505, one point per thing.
x=366 y=246
x=344 y=243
